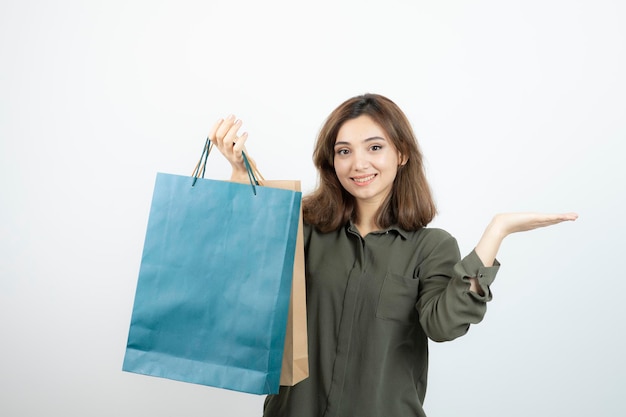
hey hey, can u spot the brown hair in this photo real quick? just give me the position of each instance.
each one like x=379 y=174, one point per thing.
x=409 y=205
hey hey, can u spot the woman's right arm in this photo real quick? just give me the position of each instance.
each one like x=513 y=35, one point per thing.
x=225 y=136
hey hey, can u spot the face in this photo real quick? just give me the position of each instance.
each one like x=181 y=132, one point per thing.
x=366 y=162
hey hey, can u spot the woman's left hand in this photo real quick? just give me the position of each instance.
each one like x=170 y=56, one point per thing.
x=505 y=224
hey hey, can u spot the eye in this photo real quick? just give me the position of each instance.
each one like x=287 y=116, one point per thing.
x=342 y=151
x=376 y=147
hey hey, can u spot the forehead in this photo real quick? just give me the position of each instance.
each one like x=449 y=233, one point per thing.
x=359 y=129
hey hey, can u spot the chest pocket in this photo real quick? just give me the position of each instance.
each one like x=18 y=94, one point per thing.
x=397 y=299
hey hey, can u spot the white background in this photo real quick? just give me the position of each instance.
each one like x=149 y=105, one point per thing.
x=518 y=105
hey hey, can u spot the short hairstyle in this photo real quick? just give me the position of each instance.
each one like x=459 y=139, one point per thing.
x=409 y=205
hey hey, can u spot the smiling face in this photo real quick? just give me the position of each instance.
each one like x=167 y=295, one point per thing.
x=365 y=161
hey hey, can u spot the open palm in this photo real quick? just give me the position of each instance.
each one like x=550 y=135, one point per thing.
x=521 y=222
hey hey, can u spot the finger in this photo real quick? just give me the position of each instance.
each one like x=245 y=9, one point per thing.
x=558 y=218
x=570 y=216
x=213 y=130
x=240 y=145
x=223 y=130
x=231 y=135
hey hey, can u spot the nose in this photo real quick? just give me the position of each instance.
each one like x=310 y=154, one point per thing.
x=361 y=162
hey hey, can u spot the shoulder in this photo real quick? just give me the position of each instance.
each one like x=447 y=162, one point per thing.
x=429 y=236
x=307 y=229
x=430 y=240
x=312 y=232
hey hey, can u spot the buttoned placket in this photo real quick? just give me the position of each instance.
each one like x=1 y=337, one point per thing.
x=346 y=326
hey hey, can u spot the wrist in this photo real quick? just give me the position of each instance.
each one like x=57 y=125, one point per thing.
x=239 y=174
x=497 y=228
x=489 y=244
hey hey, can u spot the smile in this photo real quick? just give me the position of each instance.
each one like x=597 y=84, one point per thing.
x=364 y=180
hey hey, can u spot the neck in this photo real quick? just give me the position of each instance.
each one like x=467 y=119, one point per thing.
x=366 y=218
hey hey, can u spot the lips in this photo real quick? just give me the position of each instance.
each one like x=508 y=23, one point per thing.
x=363 y=179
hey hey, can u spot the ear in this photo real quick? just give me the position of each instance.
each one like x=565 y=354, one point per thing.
x=403 y=159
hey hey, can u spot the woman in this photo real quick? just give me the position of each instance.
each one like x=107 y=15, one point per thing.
x=379 y=282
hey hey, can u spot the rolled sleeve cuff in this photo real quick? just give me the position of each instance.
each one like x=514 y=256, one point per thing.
x=473 y=267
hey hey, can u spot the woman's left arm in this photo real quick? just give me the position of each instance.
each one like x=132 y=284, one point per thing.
x=505 y=224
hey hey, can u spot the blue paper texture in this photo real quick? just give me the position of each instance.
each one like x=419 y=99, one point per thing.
x=214 y=284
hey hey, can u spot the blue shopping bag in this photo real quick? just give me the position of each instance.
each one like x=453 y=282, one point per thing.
x=214 y=283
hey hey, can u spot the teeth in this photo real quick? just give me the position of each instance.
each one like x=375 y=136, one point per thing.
x=364 y=179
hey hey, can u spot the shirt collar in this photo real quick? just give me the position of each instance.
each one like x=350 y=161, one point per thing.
x=393 y=228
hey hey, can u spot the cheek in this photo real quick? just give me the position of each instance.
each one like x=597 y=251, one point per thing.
x=340 y=167
x=341 y=172
x=387 y=162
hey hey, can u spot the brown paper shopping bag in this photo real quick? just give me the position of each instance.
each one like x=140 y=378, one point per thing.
x=295 y=366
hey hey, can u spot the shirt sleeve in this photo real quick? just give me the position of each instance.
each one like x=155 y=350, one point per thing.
x=472 y=267
x=445 y=304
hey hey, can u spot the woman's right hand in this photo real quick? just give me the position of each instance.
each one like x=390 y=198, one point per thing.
x=225 y=136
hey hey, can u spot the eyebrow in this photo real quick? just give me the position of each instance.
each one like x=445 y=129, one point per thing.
x=342 y=143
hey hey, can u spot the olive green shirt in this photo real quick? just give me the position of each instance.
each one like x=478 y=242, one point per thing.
x=372 y=304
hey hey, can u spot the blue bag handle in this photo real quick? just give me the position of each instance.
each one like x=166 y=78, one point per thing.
x=200 y=168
